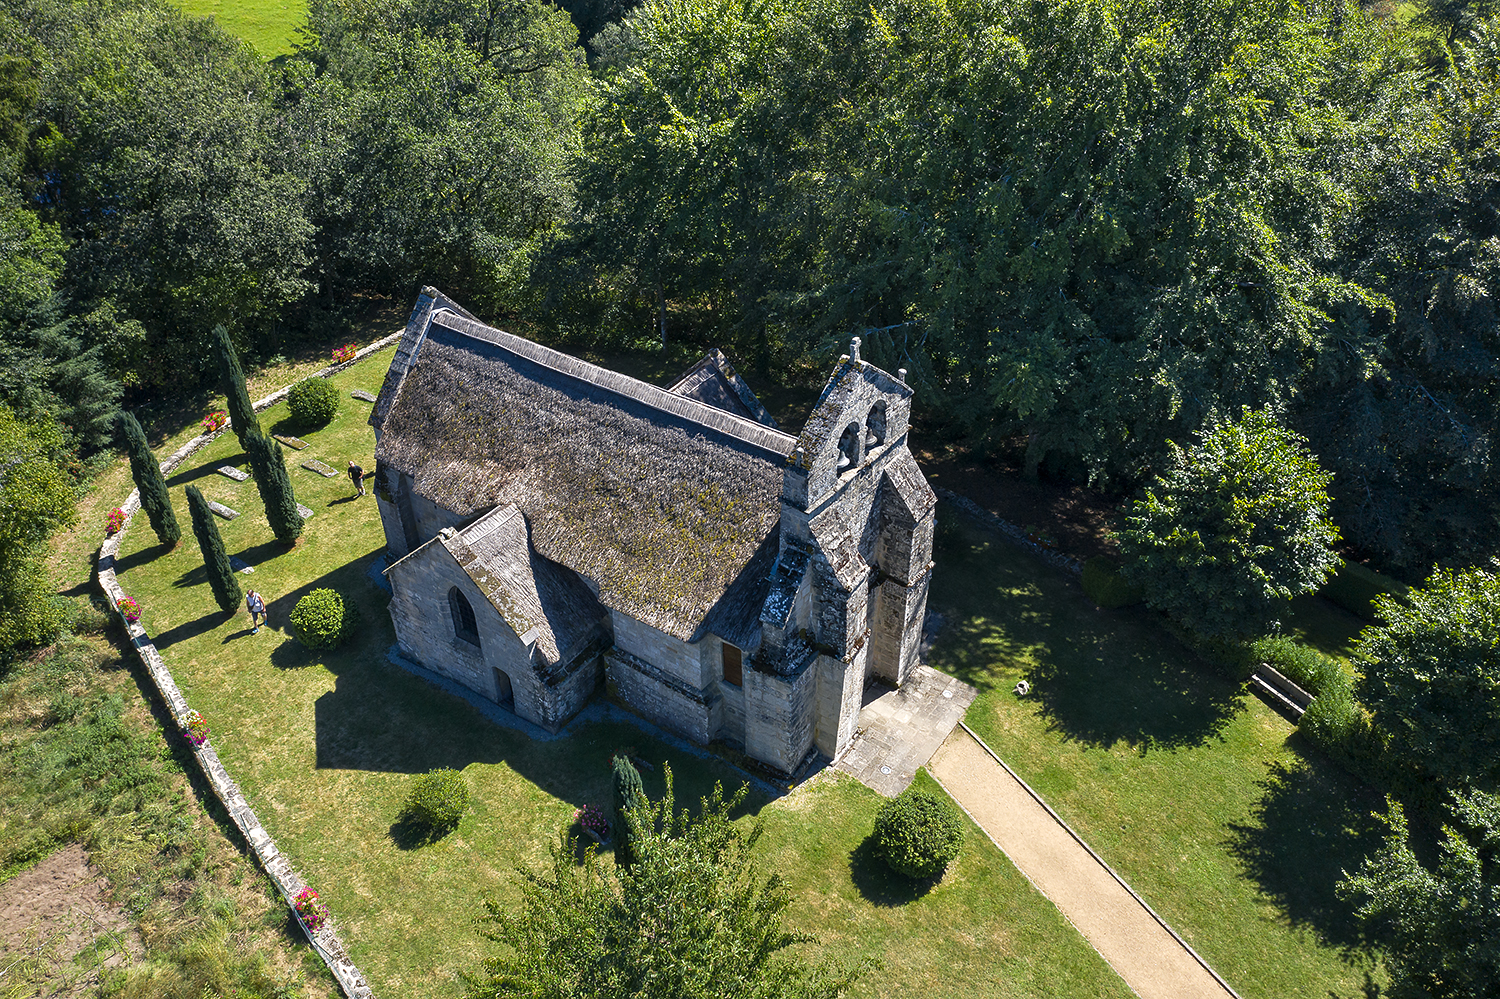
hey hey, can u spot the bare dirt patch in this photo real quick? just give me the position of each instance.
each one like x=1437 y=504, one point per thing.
x=58 y=929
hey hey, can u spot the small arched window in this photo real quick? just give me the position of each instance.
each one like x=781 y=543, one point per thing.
x=464 y=625
x=849 y=448
x=875 y=426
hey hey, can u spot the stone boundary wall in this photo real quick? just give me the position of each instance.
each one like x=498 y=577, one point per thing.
x=325 y=941
x=1012 y=533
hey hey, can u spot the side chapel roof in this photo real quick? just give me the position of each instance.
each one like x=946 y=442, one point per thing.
x=660 y=500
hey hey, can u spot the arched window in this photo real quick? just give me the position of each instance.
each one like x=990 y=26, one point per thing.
x=849 y=449
x=875 y=426
x=464 y=625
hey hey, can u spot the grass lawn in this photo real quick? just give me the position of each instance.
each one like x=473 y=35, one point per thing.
x=1200 y=796
x=325 y=746
x=269 y=25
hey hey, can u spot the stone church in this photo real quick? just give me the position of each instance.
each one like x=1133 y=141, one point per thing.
x=554 y=527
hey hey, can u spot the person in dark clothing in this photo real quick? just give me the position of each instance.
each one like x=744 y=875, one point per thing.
x=357 y=476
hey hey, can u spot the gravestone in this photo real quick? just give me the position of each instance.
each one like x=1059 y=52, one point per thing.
x=233 y=473
x=240 y=565
x=362 y=395
x=303 y=511
x=222 y=510
x=314 y=465
x=292 y=442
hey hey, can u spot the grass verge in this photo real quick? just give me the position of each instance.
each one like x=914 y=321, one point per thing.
x=269 y=25
x=1200 y=796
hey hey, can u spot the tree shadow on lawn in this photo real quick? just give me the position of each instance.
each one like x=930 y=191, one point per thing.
x=124 y=563
x=1098 y=676
x=1313 y=823
x=878 y=884
x=193 y=628
x=187 y=476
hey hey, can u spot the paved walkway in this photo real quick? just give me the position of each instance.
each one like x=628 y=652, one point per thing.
x=899 y=729
x=1149 y=957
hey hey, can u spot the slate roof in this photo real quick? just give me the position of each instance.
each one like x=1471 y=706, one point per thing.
x=714 y=381
x=661 y=500
x=542 y=602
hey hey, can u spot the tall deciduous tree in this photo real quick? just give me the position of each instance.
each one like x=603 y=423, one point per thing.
x=275 y=487
x=232 y=382
x=1431 y=676
x=36 y=498
x=1234 y=528
x=1438 y=925
x=221 y=577
x=691 y=917
x=146 y=471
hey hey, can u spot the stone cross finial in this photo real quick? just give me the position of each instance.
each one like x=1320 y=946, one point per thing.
x=854 y=350
x=901 y=375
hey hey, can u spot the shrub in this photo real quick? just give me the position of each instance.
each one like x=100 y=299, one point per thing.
x=437 y=800
x=1335 y=723
x=1105 y=586
x=629 y=793
x=917 y=834
x=313 y=402
x=322 y=620
x=1307 y=668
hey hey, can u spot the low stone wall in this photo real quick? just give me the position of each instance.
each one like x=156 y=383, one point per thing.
x=325 y=941
x=1012 y=533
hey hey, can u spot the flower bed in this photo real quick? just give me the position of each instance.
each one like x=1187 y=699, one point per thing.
x=595 y=824
x=130 y=609
x=115 y=522
x=311 y=909
x=215 y=421
x=195 y=728
x=345 y=353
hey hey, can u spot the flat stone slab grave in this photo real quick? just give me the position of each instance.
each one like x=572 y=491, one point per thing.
x=233 y=473
x=240 y=565
x=314 y=465
x=899 y=730
x=295 y=443
x=303 y=511
x=222 y=510
x=362 y=395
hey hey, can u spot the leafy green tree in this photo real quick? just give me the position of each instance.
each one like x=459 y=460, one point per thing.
x=1234 y=528
x=691 y=917
x=275 y=487
x=1438 y=925
x=232 y=382
x=160 y=152
x=440 y=137
x=36 y=499
x=146 y=471
x=629 y=794
x=221 y=577
x=1431 y=676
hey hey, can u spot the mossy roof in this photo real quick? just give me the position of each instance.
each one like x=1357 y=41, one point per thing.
x=660 y=500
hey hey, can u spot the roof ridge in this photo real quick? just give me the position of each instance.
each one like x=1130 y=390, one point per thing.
x=729 y=424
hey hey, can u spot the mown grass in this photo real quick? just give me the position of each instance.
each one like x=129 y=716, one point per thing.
x=1197 y=793
x=269 y=25
x=325 y=747
x=83 y=758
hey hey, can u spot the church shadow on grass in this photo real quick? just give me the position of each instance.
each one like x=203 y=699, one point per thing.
x=1313 y=823
x=1098 y=677
x=878 y=884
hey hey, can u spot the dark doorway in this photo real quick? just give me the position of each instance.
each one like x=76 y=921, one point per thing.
x=504 y=695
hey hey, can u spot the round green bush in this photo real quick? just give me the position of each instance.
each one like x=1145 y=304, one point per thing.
x=438 y=799
x=1105 y=586
x=313 y=402
x=917 y=834
x=322 y=620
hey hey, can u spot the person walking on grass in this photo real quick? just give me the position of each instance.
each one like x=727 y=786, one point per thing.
x=357 y=476
x=257 y=608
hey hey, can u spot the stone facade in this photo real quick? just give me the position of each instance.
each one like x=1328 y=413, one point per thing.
x=757 y=623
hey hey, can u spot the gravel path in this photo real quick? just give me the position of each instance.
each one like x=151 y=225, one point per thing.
x=1149 y=957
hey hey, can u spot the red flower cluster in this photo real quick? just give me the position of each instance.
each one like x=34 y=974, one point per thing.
x=215 y=421
x=311 y=908
x=130 y=609
x=115 y=521
x=344 y=353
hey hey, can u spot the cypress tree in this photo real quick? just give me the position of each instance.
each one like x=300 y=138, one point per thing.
x=146 y=471
x=221 y=577
x=629 y=793
x=275 y=486
x=232 y=380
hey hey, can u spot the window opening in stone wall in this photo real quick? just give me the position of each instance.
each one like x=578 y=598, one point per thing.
x=505 y=695
x=849 y=448
x=733 y=665
x=875 y=426
x=464 y=625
